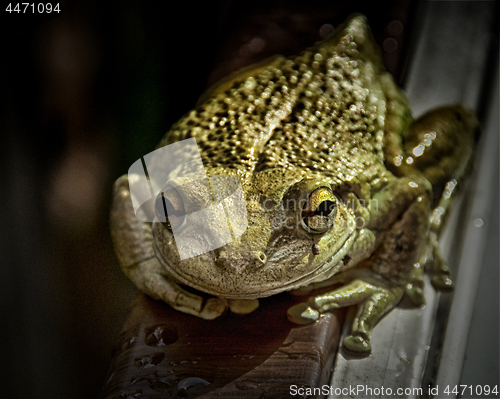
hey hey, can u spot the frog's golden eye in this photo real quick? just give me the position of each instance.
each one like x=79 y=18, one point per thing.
x=319 y=212
x=169 y=209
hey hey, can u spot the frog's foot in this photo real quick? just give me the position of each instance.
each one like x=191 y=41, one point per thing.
x=373 y=302
x=148 y=278
x=439 y=270
x=357 y=342
x=302 y=313
x=415 y=288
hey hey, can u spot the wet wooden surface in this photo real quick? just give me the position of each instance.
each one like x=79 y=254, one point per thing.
x=162 y=353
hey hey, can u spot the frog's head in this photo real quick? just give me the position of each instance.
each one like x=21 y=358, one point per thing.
x=295 y=230
x=262 y=127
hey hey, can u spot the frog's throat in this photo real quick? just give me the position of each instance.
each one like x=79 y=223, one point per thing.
x=327 y=269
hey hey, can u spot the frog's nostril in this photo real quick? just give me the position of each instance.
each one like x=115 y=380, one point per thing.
x=239 y=261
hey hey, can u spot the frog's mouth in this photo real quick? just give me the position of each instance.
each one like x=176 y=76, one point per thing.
x=246 y=286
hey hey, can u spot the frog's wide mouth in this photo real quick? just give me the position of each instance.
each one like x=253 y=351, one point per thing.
x=246 y=288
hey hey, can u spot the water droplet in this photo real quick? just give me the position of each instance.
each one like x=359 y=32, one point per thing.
x=397 y=160
x=390 y=45
x=418 y=150
x=395 y=27
x=191 y=382
x=326 y=30
x=160 y=335
x=478 y=222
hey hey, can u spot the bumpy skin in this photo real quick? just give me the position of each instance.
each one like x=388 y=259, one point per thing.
x=330 y=118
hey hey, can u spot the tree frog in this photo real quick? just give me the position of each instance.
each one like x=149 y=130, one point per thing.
x=344 y=191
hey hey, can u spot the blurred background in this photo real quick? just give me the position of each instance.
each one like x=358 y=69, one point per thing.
x=86 y=92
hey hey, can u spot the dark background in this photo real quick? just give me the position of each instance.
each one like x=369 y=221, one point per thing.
x=84 y=94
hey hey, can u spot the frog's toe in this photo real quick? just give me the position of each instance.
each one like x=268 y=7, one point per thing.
x=442 y=282
x=213 y=308
x=243 y=306
x=302 y=314
x=357 y=343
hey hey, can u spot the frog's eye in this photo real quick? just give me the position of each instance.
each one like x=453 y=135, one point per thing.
x=169 y=209
x=319 y=212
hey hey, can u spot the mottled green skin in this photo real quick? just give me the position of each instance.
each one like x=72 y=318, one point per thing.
x=330 y=117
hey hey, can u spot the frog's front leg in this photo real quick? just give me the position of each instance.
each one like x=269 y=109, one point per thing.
x=133 y=241
x=373 y=302
x=401 y=210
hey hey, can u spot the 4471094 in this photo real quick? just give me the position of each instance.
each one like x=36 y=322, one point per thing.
x=33 y=8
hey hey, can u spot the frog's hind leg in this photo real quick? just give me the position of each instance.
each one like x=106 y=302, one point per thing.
x=373 y=302
x=431 y=259
x=440 y=145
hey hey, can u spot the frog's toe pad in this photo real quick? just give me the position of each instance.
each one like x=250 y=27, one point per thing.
x=302 y=314
x=442 y=282
x=214 y=307
x=356 y=343
x=243 y=306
